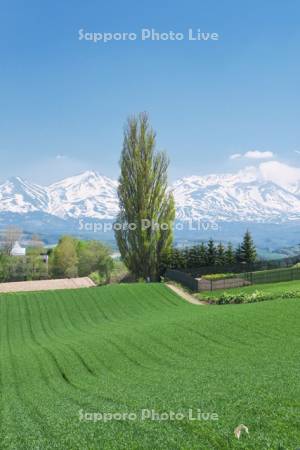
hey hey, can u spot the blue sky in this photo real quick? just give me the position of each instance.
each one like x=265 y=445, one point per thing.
x=64 y=101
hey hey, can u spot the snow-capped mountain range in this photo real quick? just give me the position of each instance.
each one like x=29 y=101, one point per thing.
x=86 y=195
x=246 y=196
x=242 y=197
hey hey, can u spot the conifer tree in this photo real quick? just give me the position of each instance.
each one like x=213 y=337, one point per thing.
x=175 y=257
x=229 y=254
x=238 y=254
x=192 y=257
x=202 y=254
x=248 y=250
x=220 y=257
x=178 y=260
x=211 y=253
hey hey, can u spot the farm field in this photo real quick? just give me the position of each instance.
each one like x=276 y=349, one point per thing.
x=124 y=348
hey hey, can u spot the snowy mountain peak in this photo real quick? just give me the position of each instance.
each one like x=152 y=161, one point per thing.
x=88 y=194
x=19 y=196
x=76 y=179
x=248 y=195
x=244 y=196
x=247 y=175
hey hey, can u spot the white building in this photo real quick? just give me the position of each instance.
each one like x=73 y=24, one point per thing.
x=17 y=250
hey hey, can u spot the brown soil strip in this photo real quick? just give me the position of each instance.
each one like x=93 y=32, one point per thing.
x=185 y=295
x=46 y=285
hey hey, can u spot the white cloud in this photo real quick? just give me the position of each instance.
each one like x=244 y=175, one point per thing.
x=253 y=154
x=256 y=154
x=60 y=156
x=285 y=176
x=236 y=156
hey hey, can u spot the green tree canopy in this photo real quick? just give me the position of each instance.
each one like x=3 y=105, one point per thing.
x=73 y=257
x=144 y=224
x=211 y=253
x=65 y=260
x=93 y=256
x=248 y=250
x=220 y=256
x=229 y=254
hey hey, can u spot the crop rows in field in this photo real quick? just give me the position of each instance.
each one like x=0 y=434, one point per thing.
x=125 y=348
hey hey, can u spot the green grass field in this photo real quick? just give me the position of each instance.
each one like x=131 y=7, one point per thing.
x=124 y=348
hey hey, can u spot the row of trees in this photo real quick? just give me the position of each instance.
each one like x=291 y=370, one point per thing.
x=15 y=268
x=70 y=258
x=73 y=257
x=212 y=254
x=143 y=195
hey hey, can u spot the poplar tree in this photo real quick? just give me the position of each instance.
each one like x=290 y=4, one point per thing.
x=143 y=228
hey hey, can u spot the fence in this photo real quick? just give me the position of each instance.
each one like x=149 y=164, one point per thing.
x=200 y=284
x=237 y=280
x=242 y=267
x=271 y=276
x=226 y=283
x=183 y=278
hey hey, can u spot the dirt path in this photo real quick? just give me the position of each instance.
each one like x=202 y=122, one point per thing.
x=46 y=285
x=185 y=295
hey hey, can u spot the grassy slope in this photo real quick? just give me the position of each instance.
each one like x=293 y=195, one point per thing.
x=128 y=347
